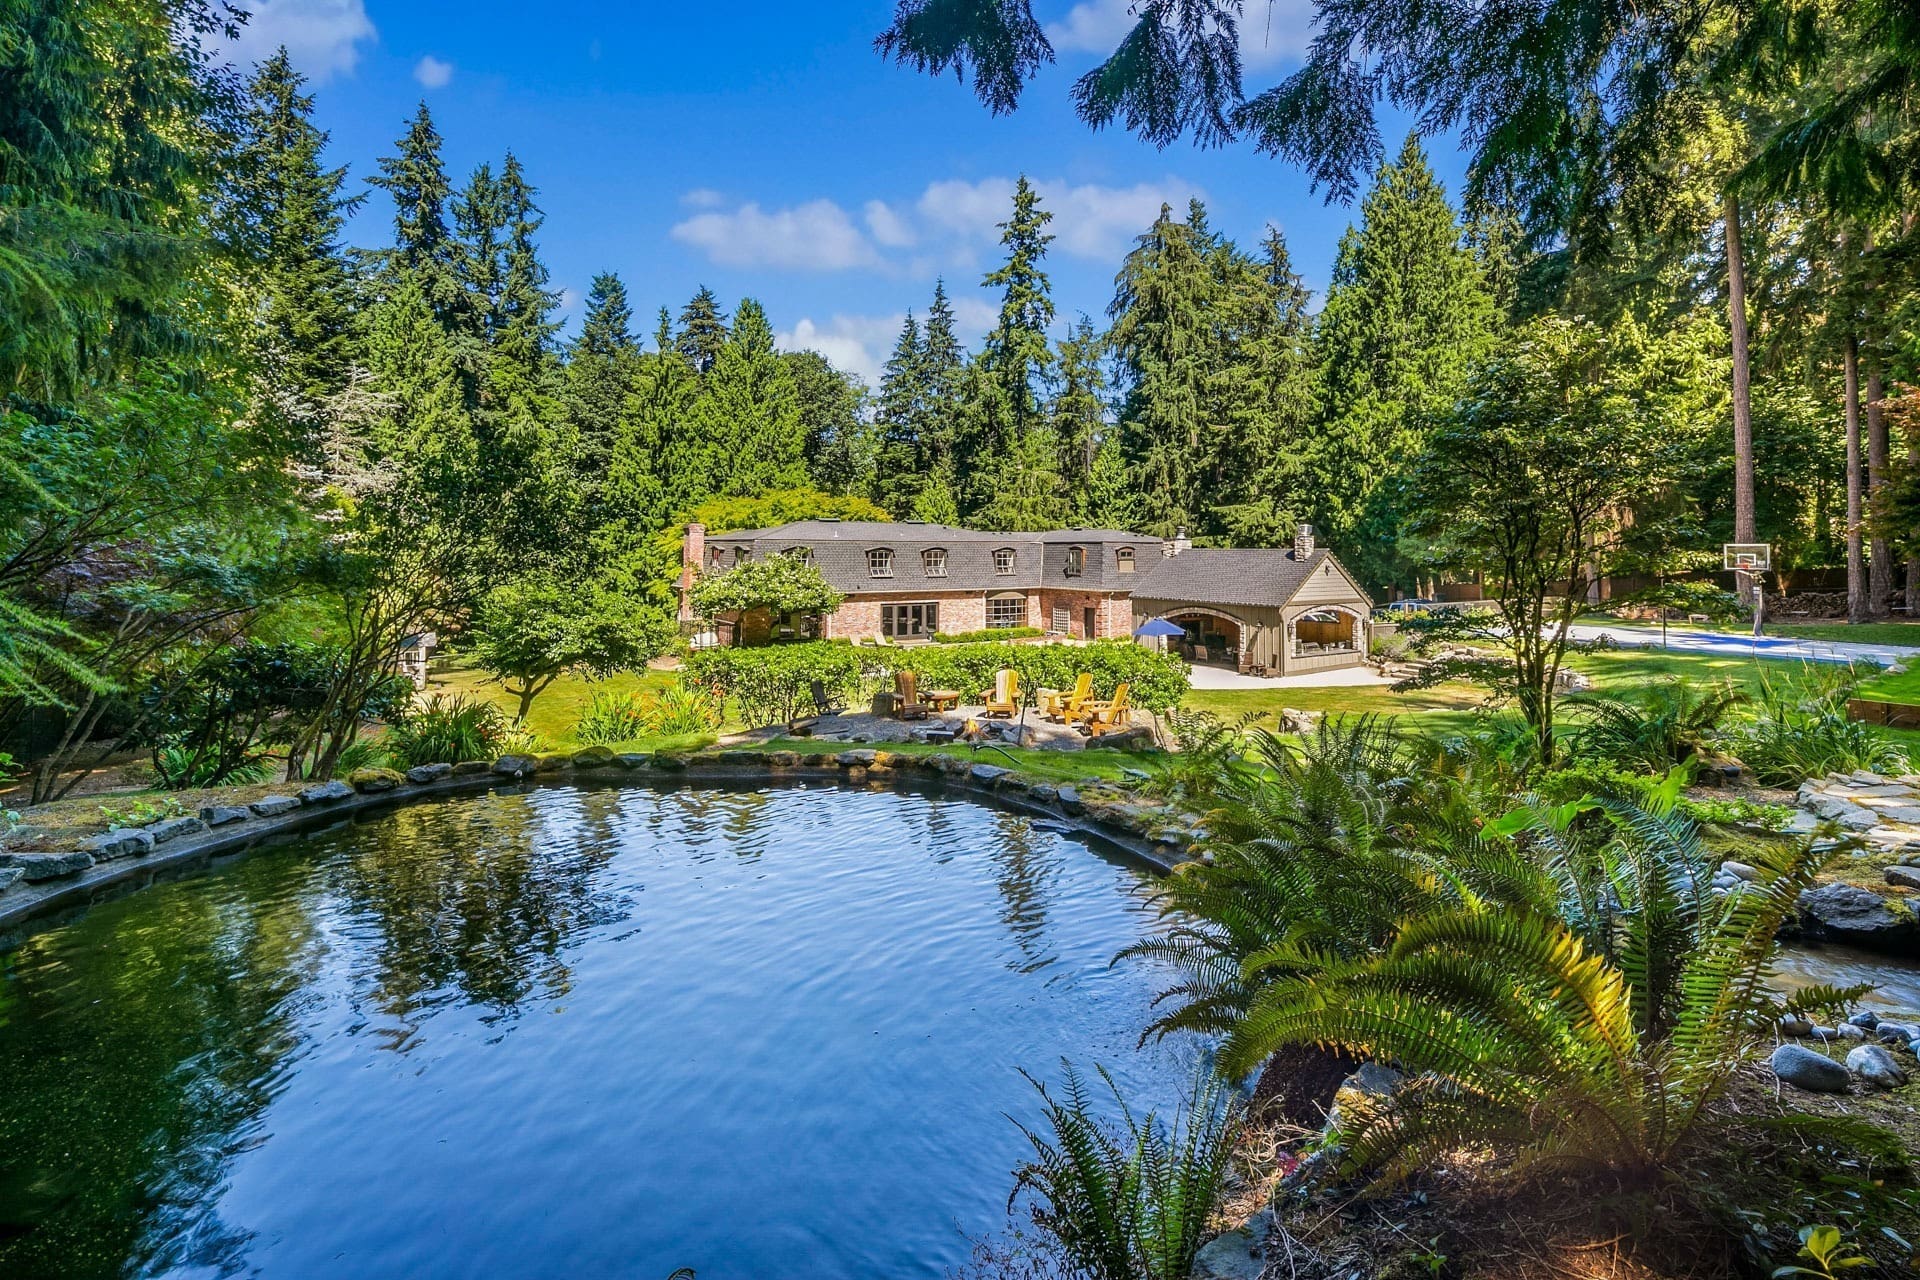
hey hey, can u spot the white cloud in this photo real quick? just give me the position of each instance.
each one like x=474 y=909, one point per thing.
x=861 y=343
x=432 y=72
x=1271 y=31
x=816 y=236
x=703 y=198
x=948 y=227
x=1089 y=220
x=323 y=37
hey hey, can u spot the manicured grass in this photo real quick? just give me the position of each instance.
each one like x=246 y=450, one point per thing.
x=557 y=710
x=1442 y=710
x=1900 y=686
x=1895 y=633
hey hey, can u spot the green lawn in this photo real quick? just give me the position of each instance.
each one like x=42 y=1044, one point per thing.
x=1053 y=766
x=1900 y=633
x=557 y=710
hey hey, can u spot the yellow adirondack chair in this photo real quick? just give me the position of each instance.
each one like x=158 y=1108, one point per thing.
x=1004 y=698
x=1105 y=717
x=1060 y=704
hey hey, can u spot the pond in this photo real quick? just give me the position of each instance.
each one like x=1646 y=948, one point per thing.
x=568 y=1032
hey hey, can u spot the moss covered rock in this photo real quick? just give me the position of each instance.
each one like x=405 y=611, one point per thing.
x=375 y=779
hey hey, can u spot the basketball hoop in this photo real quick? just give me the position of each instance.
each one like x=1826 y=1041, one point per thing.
x=1748 y=557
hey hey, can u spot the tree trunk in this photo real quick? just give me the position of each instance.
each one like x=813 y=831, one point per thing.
x=1743 y=507
x=1880 y=557
x=1856 y=561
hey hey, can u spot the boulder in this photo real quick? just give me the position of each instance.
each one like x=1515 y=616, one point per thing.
x=1740 y=870
x=1070 y=801
x=121 y=842
x=631 y=759
x=1795 y=1027
x=1044 y=792
x=552 y=762
x=1866 y=1019
x=1366 y=1090
x=1825 y=1035
x=1239 y=1254
x=1848 y=913
x=859 y=759
x=593 y=757
x=1802 y=1068
x=1896 y=1032
x=1847 y=1031
x=669 y=761
x=783 y=759
x=219 y=815
x=1875 y=1066
x=10 y=876
x=326 y=792
x=35 y=867
x=1902 y=876
x=273 y=806
x=173 y=828
x=1133 y=738
x=514 y=766
x=985 y=774
x=472 y=768
x=374 y=781
x=421 y=774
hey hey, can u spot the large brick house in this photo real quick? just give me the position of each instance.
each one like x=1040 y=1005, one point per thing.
x=1281 y=610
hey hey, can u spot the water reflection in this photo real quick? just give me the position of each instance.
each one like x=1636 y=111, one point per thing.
x=570 y=1032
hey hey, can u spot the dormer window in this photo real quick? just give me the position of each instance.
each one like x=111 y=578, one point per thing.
x=1123 y=560
x=803 y=554
x=1076 y=561
x=1003 y=562
x=880 y=562
x=934 y=561
x=714 y=555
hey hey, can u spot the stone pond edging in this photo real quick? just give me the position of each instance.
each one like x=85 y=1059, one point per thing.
x=34 y=885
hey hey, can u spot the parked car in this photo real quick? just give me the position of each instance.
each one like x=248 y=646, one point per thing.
x=1399 y=607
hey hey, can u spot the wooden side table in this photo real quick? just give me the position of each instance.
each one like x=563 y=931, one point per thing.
x=942 y=699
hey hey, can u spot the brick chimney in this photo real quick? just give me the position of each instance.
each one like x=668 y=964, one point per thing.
x=1303 y=542
x=693 y=555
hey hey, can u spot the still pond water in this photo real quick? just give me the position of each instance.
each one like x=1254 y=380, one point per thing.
x=567 y=1033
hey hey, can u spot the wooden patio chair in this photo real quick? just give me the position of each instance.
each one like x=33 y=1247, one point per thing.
x=906 y=697
x=1200 y=653
x=1105 y=717
x=1004 y=698
x=1059 y=704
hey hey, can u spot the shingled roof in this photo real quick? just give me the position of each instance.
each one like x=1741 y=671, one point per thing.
x=840 y=549
x=1231 y=575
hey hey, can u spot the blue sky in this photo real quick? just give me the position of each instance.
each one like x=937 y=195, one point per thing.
x=766 y=149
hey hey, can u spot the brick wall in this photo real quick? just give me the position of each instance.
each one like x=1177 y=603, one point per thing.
x=1113 y=617
x=858 y=617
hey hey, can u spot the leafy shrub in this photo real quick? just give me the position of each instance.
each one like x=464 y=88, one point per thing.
x=447 y=730
x=142 y=812
x=1158 y=680
x=611 y=717
x=1655 y=728
x=1208 y=761
x=1737 y=809
x=680 y=710
x=991 y=634
x=1130 y=1202
x=1800 y=730
x=180 y=767
x=521 y=741
x=360 y=755
x=773 y=685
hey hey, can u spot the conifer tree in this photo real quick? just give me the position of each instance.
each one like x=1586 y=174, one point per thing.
x=652 y=476
x=1406 y=317
x=703 y=330
x=839 y=443
x=899 y=416
x=478 y=222
x=601 y=372
x=426 y=439
x=1003 y=400
x=422 y=245
x=744 y=428
x=289 y=212
x=1265 y=495
x=944 y=366
x=1079 y=415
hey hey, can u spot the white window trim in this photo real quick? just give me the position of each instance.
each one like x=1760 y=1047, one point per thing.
x=1012 y=561
x=934 y=568
x=876 y=557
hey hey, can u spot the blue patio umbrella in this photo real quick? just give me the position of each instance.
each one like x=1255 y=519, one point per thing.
x=1159 y=627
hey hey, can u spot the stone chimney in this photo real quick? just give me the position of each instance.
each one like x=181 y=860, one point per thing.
x=1303 y=542
x=1178 y=543
x=693 y=555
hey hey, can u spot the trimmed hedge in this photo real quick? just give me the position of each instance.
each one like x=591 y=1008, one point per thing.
x=988 y=636
x=773 y=685
x=1158 y=680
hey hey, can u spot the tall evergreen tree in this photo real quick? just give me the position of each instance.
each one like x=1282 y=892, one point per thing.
x=703 y=330
x=423 y=247
x=602 y=369
x=900 y=416
x=1079 y=411
x=945 y=365
x=1407 y=316
x=652 y=477
x=744 y=429
x=288 y=209
x=1265 y=496
x=1003 y=397
x=479 y=222
x=840 y=443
